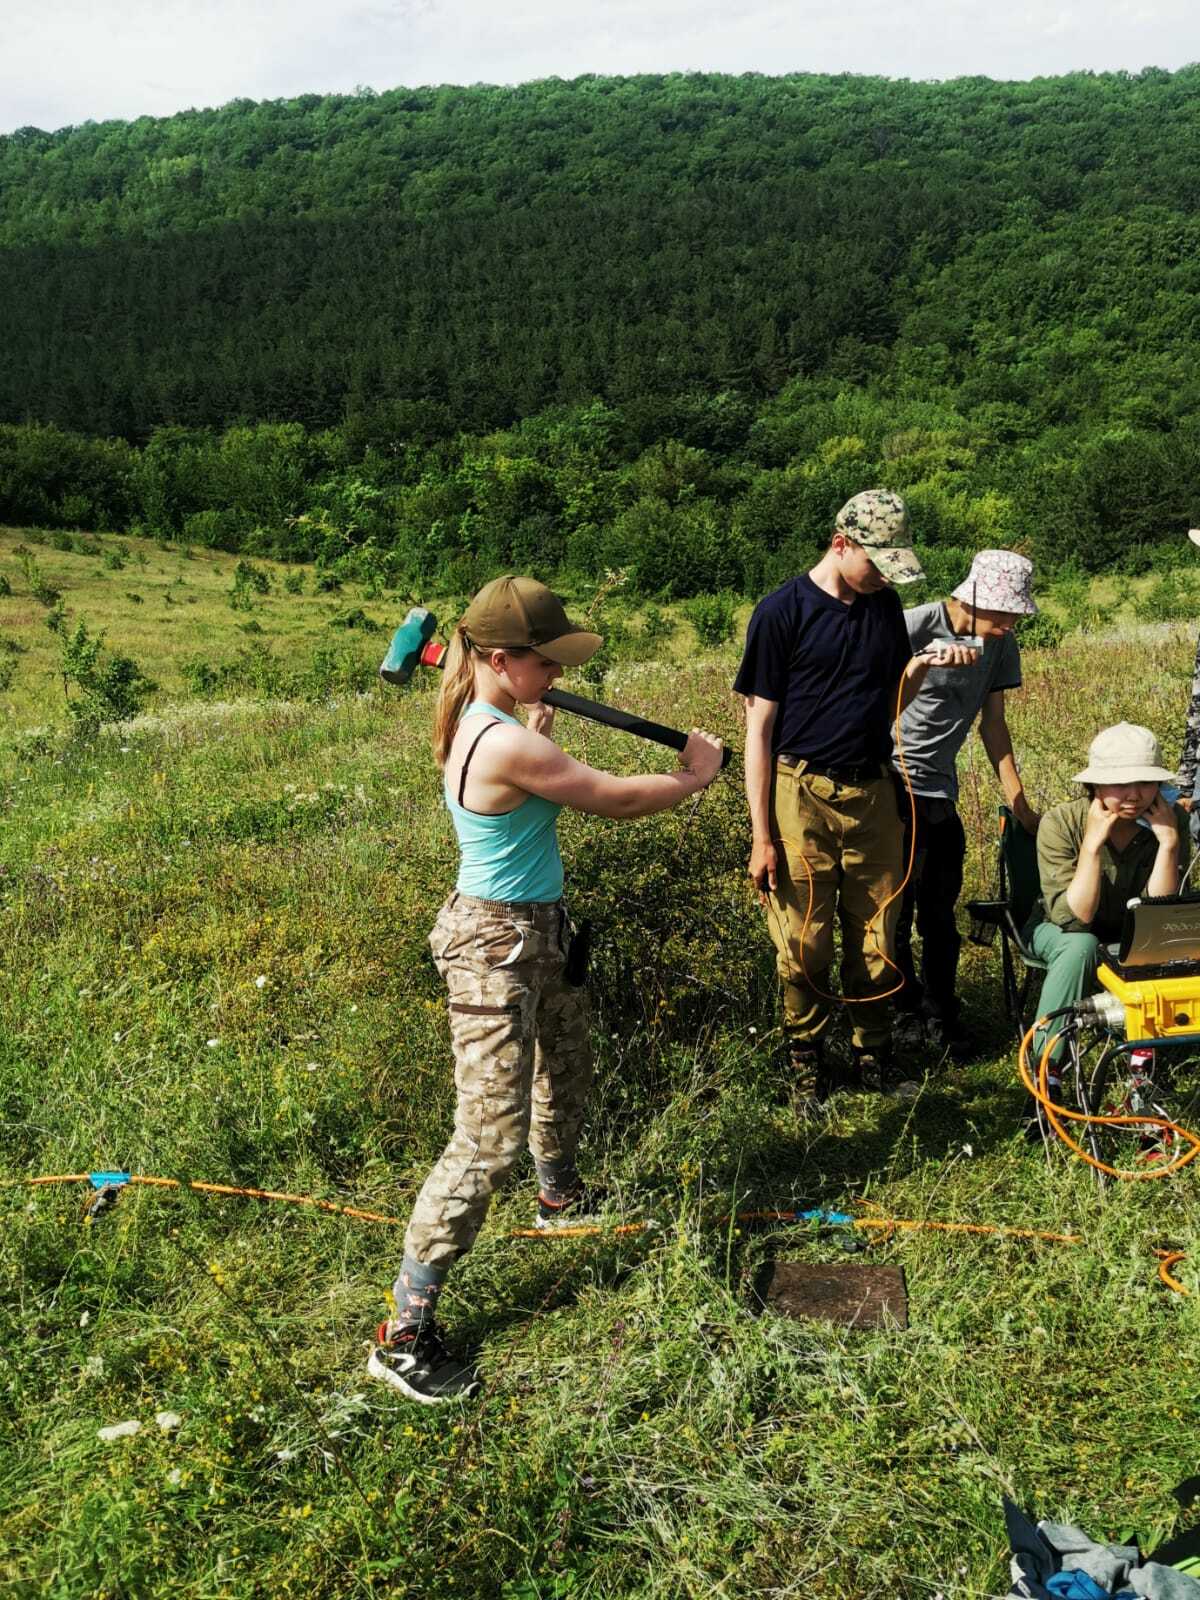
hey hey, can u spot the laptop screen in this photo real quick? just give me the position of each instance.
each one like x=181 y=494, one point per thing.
x=1161 y=932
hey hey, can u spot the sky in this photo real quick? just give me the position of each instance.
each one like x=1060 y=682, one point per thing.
x=68 y=61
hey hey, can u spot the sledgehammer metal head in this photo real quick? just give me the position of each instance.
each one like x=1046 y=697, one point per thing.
x=411 y=647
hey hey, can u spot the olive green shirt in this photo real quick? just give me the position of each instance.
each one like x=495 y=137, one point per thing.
x=1124 y=874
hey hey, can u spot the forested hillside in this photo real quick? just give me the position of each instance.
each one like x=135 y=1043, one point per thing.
x=999 y=281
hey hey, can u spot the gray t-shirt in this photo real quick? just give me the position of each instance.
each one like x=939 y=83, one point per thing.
x=935 y=726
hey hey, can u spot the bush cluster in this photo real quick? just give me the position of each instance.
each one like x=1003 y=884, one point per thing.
x=572 y=493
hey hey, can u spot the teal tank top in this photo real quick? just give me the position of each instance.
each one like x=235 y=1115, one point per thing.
x=513 y=856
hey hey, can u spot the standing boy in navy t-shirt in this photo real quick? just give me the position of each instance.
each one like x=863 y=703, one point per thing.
x=824 y=660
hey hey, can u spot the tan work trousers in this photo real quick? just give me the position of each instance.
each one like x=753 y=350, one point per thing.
x=522 y=1062
x=839 y=848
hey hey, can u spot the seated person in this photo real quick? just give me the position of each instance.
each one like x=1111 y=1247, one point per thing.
x=1095 y=854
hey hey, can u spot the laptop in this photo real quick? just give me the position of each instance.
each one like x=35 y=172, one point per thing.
x=1160 y=938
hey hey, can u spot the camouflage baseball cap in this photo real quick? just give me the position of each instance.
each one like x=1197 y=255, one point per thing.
x=878 y=520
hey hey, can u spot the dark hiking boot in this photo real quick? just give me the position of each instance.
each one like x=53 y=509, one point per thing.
x=947 y=1036
x=874 y=1069
x=908 y=1033
x=417 y=1362
x=583 y=1209
x=809 y=1079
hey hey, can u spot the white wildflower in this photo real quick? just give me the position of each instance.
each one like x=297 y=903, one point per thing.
x=119 y=1430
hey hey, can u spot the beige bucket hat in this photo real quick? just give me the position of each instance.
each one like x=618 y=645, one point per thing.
x=1126 y=753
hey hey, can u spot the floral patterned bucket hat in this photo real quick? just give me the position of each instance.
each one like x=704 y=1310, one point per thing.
x=999 y=580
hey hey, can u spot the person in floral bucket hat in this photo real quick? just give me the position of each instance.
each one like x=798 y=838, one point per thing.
x=826 y=658
x=986 y=606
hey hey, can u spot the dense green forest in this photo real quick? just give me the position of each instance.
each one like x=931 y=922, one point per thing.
x=664 y=323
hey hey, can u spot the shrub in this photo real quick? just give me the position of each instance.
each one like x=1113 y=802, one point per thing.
x=109 y=687
x=1042 y=632
x=42 y=591
x=294 y=583
x=357 y=618
x=713 y=616
x=1173 y=596
x=248 y=580
x=657 y=626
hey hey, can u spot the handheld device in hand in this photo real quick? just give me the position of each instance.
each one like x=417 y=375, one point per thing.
x=966 y=642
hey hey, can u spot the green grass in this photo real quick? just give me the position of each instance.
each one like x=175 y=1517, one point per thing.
x=641 y=1433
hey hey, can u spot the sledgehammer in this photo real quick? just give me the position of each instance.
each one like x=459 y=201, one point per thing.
x=413 y=645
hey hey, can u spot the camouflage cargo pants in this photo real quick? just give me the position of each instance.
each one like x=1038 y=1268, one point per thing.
x=848 y=836
x=522 y=1062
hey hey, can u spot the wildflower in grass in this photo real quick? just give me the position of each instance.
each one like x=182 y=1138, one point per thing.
x=213 y=1043
x=261 y=981
x=119 y=1430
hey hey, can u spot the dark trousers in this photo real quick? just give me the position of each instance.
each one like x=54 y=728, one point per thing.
x=930 y=897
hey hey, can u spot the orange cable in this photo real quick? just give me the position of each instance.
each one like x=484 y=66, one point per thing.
x=1166 y=1260
x=1057 y=1114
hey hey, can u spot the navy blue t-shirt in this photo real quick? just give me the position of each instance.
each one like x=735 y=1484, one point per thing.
x=833 y=669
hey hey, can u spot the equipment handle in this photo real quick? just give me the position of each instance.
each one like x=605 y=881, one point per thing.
x=626 y=721
x=433 y=654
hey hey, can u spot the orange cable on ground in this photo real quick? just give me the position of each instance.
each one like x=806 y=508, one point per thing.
x=1166 y=1260
x=1056 y=1115
x=233 y=1190
x=889 y=1224
x=583 y=1231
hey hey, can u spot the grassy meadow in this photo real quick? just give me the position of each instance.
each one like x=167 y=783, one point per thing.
x=214 y=920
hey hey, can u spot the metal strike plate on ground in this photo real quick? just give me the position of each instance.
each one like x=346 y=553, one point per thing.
x=853 y=1296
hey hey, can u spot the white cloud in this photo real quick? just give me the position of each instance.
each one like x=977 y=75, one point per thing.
x=71 y=60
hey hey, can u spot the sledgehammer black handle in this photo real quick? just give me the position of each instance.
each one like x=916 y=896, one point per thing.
x=624 y=720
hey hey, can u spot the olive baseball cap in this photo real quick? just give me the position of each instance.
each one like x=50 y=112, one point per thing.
x=878 y=520
x=520 y=613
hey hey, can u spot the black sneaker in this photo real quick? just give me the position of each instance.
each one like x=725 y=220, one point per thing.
x=418 y=1363
x=875 y=1071
x=583 y=1209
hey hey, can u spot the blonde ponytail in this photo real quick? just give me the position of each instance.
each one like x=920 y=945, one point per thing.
x=458 y=685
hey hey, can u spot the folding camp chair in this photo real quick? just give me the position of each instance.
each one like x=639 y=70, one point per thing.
x=1018 y=892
